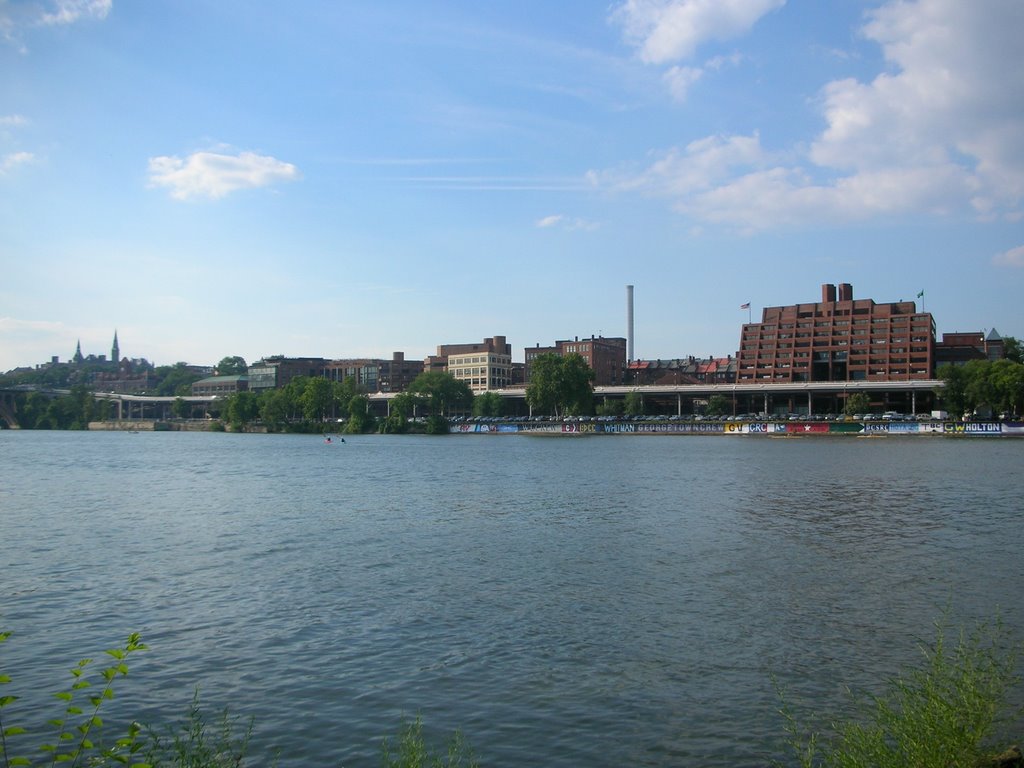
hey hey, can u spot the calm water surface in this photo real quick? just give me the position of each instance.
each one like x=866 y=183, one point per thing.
x=607 y=601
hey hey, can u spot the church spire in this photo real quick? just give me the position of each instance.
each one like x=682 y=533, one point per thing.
x=78 y=352
x=115 y=351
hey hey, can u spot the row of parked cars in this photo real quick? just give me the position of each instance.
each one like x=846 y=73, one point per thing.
x=887 y=416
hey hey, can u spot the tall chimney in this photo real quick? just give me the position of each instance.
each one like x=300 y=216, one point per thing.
x=629 y=323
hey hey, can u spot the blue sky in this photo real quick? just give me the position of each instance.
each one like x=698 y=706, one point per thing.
x=346 y=179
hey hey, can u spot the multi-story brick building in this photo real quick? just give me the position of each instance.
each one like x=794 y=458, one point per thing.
x=605 y=356
x=689 y=370
x=959 y=348
x=376 y=375
x=838 y=339
x=275 y=372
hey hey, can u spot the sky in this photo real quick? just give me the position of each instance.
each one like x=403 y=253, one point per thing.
x=349 y=178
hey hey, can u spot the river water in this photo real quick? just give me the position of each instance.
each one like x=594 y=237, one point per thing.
x=603 y=601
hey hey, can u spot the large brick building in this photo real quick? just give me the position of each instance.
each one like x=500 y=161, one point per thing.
x=838 y=339
x=605 y=356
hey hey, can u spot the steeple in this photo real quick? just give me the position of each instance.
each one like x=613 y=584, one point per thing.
x=115 y=351
x=78 y=352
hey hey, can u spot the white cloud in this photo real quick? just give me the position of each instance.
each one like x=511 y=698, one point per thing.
x=679 y=80
x=70 y=11
x=213 y=175
x=567 y=223
x=20 y=16
x=13 y=121
x=940 y=132
x=672 y=30
x=11 y=161
x=1011 y=258
x=550 y=221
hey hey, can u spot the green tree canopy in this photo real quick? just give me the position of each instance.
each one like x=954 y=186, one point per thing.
x=232 y=366
x=857 y=403
x=1012 y=349
x=175 y=379
x=489 y=404
x=242 y=408
x=442 y=391
x=983 y=384
x=561 y=385
x=633 y=404
x=718 y=405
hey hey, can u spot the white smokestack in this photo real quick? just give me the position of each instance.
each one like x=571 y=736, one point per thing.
x=629 y=322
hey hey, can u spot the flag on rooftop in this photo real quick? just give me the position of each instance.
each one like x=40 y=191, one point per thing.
x=920 y=295
x=745 y=306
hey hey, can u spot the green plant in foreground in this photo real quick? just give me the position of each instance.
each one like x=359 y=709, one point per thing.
x=75 y=727
x=940 y=715
x=413 y=752
x=197 y=744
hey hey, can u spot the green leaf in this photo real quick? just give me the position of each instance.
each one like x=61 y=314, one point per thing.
x=5 y=700
x=19 y=761
x=48 y=748
x=74 y=710
x=5 y=678
x=80 y=685
x=63 y=696
x=97 y=721
x=66 y=736
x=141 y=765
x=86 y=744
x=56 y=722
x=108 y=674
x=108 y=693
x=95 y=700
x=14 y=730
x=117 y=653
x=122 y=668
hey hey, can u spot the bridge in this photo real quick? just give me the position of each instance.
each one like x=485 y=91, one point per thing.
x=129 y=407
x=806 y=397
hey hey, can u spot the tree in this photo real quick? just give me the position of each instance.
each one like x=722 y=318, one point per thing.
x=403 y=405
x=610 y=407
x=953 y=395
x=634 y=404
x=242 y=408
x=1012 y=349
x=175 y=379
x=232 y=366
x=857 y=403
x=488 y=404
x=360 y=419
x=442 y=392
x=317 y=399
x=981 y=385
x=718 y=405
x=181 y=408
x=562 y=386
x=274 y=409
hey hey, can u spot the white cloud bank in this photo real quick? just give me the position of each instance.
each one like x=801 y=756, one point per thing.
x=669 y=30
x=17 y=17
x=1011 y=258
x=70 y=11
x=941 y=132
x=564 y=222
x=11 y=161
x=213 y=175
